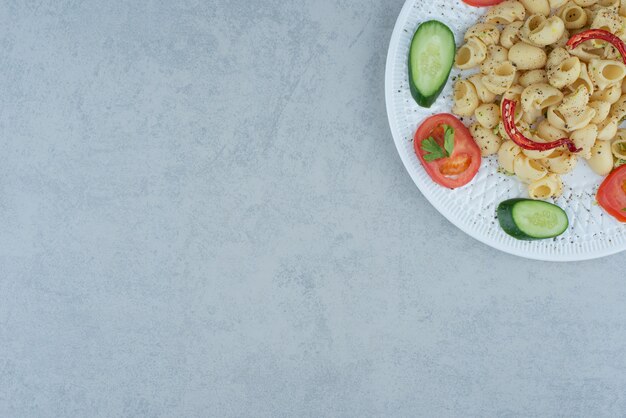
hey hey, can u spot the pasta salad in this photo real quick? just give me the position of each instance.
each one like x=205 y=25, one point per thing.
x=548 y=88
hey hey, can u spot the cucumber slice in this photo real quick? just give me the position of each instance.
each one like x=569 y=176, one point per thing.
x=531 y=220
x=430 y=61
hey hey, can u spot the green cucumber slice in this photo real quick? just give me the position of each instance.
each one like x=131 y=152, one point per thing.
x=430 y=61
x=530 y=220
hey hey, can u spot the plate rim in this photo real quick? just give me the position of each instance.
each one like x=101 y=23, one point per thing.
x=397 y=138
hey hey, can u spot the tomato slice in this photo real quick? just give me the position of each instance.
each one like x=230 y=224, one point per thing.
x=461 y=167
x=482 y=3
x=612 y=194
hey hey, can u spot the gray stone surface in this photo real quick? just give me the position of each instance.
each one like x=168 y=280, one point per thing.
x=204 y=215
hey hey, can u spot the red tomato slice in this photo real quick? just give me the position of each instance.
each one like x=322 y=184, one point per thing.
x=461 y=167
x=482 y=3
x=612 y=194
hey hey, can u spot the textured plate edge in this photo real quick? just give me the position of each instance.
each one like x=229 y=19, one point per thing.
x=393 y=46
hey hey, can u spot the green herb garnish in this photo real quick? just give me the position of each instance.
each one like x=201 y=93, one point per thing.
x=434 y=150
x=449 y=139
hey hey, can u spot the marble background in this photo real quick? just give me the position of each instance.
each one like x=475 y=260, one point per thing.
x=204 y=215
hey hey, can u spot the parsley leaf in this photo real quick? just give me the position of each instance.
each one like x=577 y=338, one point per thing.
x=449 y=139
x=624 y=209
x=433 y=149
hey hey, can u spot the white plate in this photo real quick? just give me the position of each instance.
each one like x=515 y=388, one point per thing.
x=592 y=233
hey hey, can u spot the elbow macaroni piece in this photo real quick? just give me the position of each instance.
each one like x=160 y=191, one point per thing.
x=588 y=51
x=583 y=80
x=527 y=57
x=575 y=103
x=560 y=162
x=506 y=12
x=496 y=55
x=547 y=187
x=465 y=98
x=531 y=116
x=487 y=141
x=531 y=24
x=608 y=129
x=484 y=94
x=557 y=56
x=545 y=133
x=562 y=69
x=573 y=16
x=601 y=160
x=506 y=155
x=556 y=119
x=607 y=19
x=488 y=33
x=548 y=132
x=537 y=7
x=602 y=110
x=501 y=78
x=528 y=170
x=540 y=96
x=585 y=139
x=549 y=31
x=488 y=115
x=533 y=77
x=605 y=73
x=611 y=94
x=579 y=120
x=472 y=54
x=510 y=34
x=565 y=73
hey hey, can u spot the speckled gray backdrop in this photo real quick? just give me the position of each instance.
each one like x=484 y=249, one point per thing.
x=204 y=215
